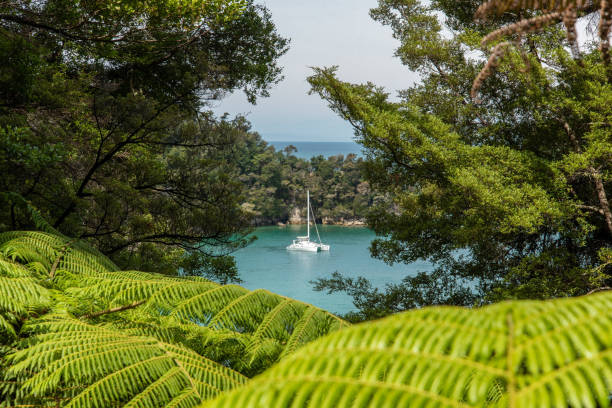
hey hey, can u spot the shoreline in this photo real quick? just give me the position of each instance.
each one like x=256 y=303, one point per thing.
x=347 y=223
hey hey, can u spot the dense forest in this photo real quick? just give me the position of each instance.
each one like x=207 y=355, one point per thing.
x=123 y=198
x=496 y=170
x=275 y=184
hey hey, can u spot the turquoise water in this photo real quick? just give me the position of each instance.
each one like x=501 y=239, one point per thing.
x=306 y=150
x=267 y=264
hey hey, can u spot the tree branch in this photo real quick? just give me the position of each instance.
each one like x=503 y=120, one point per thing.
x=115 y=309
x=107 y=157
x=62 y=32
x=604 y=205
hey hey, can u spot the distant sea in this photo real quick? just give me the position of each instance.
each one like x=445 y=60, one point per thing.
x=306 y=150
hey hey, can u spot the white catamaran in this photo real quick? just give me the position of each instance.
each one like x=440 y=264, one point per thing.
x=304 y=243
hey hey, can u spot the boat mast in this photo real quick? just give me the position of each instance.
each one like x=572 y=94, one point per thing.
x=314 y=222
x=308 y=214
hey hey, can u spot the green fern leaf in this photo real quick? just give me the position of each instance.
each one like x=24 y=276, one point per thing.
x=248 y=329
x=270 y=320
x=98 y=366
x=513 y=354
x=53 y=250
x=19 y=294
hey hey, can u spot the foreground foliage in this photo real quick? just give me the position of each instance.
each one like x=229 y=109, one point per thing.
x=97 y=366
x=512 y=354
x=76 y=331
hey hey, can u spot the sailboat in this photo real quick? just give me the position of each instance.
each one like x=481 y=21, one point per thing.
x=304 y=243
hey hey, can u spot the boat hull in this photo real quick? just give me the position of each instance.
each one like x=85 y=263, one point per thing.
x=304 y=247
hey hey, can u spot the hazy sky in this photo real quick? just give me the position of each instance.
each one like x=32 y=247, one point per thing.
x=323 y=33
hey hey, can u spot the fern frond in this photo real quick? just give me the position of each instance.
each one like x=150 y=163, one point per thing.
x=254 y=326
x=101 y=366
x=41 y=242
x=276 y=322
x=312 y=323
x=256 y=303
x=516 y=354
x=12 y=269
x=523 y=26
x=124 y=287
x=39 y=221
x=269 y=319
x=19 y=294
x=53 y=251
x=203 y=306
x=497 y=7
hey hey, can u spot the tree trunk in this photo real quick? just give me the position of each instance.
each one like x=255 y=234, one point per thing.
x=603 y=199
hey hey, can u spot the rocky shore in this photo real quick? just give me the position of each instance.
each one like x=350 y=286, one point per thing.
x=343 y=222
x=296 y=218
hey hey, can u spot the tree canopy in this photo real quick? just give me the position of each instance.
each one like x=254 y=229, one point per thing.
x=507 y=196
x=104 y=128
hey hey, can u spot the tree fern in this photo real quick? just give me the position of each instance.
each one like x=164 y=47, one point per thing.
x=93 y=288
x=99 y=366
x=129 y=338
x=513 y=354
x=58 y=250
x=279 y=323
x=20 y=294
x=567 y=11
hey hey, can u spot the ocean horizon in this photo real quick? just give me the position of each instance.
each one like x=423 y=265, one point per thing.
x=307 y=150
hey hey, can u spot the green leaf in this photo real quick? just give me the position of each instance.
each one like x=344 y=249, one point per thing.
x=514 y=354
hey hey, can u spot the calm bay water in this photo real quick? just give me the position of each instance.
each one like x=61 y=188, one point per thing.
x=267 y=264
x=306 y=150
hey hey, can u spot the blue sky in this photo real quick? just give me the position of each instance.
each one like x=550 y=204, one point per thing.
x=323 y=33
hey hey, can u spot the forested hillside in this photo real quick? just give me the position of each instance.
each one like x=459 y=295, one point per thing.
x=275 y=183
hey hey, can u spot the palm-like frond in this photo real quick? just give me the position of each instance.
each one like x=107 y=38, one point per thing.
x=274 y=324
x=100 y=366
x=513 y=354
x=54 y=251
x=19 y=293
x=31 y=211
x=258 y=326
